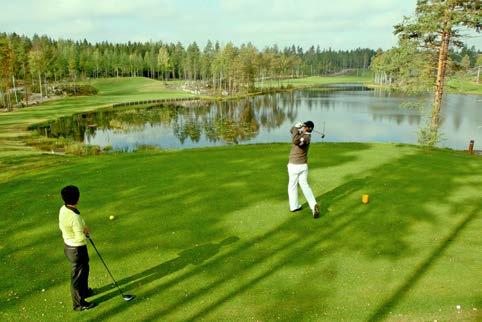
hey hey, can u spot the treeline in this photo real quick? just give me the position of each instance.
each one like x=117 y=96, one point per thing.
x=40 y=60
x=406 y=66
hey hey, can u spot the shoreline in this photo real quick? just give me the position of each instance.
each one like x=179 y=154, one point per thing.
x=16 y=138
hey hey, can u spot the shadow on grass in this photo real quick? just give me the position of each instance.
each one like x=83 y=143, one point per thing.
x=381 y=230
x=196 y=256
x=382 y=311
x=285 y=242
x=339 y=193
x=146 y=180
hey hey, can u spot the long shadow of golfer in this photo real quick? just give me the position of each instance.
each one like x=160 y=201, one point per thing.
x=339 y=193
x=196 y=256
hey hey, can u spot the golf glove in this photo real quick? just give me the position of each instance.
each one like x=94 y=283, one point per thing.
x=299 y=125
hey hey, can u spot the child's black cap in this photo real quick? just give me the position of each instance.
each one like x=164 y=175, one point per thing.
x=70 y=195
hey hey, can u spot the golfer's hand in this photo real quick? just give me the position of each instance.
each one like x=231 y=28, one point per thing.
x=299 y=125
x=86 y=231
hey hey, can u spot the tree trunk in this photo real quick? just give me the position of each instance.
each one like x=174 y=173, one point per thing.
x=40 y=86
x=439 y=83
x=15 y=89
x=75 y=84
x=46 y=88
x=26 y=93
x=2 y=97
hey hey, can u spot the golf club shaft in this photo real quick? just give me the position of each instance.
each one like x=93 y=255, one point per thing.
x=105 y=265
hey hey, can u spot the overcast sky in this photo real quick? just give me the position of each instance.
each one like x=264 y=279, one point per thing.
x=339 y=24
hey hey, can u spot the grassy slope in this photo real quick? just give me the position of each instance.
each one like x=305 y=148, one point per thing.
x=463 y=86
x=457 y=85
x=206 y=234
x=317 y=80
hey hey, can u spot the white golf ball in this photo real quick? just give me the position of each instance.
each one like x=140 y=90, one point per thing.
x=458 y=307
x=111 y=217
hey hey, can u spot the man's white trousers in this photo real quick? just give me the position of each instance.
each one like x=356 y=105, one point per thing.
x=298 y=174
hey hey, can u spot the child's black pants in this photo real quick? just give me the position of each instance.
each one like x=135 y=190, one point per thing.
x=79 y=259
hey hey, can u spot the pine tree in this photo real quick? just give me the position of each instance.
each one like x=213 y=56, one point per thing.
x=435 y=27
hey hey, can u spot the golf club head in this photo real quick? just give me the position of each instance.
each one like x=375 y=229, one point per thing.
x=128 y=297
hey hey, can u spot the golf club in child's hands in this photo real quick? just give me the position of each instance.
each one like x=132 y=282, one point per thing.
x=126 y=297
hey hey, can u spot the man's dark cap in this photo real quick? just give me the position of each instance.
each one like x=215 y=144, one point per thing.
x=310 y=124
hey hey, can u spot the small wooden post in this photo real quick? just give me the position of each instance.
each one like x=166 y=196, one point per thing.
x=471 y=147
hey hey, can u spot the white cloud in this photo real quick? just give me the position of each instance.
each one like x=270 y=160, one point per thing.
x=339 y=24
x=52 y=10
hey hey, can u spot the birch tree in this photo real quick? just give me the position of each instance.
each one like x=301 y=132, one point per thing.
x=38 y=62
x=163 y=61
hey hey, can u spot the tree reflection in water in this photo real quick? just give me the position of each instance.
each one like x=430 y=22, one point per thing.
x=351 y=113
x=228 y=122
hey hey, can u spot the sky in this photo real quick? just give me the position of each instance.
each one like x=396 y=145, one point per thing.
x=339 y=24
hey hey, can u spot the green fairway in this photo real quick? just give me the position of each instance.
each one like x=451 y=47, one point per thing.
x=464 y=86
x=316 y=80
x=206 y=234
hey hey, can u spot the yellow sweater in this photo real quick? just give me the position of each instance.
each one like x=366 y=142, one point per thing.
x=72 y=227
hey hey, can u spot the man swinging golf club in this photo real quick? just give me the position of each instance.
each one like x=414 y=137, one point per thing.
x=298 y=167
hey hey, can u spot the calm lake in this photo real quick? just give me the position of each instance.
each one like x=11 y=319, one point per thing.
x=345 y=113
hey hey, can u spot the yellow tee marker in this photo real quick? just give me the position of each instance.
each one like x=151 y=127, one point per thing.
x=364 y=199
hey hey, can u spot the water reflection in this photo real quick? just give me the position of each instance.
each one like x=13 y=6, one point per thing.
x=351 y=113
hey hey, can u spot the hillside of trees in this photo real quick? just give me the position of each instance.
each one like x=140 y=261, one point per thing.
x=30 y=65
x=407 y=67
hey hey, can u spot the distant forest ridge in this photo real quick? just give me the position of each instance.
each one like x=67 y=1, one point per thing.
x=59 y=59
x=223 y=67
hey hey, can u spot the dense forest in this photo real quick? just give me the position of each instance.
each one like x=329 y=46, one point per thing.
x=40 y=61
x=36 y=64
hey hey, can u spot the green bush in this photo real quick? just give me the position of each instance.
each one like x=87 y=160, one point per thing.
x=81 y=149
x=47 y=144
x=428 y=136
x=74 y=90
x=147 y=147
